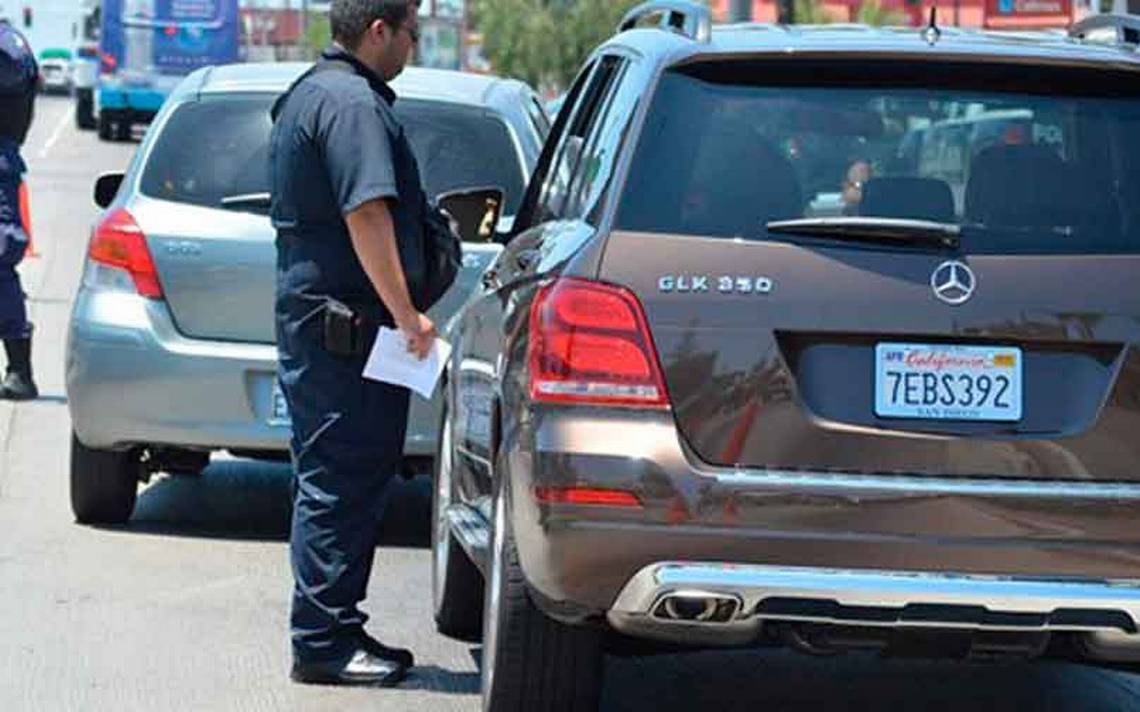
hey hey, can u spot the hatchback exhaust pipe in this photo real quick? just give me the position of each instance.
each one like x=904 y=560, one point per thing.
x=697 y=607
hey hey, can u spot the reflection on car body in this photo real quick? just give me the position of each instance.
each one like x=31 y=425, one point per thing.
x=171 y=349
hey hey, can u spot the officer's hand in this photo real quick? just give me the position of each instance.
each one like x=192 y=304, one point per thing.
x=421 y=333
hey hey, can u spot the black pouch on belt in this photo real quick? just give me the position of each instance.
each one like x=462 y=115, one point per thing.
x=348 y=331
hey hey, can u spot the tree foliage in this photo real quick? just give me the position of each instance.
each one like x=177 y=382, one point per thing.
x=544 y=42
x=872 y=12
x=811 y=12
x=318 y=33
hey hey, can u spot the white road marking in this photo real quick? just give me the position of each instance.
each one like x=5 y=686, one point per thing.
x=63 y=122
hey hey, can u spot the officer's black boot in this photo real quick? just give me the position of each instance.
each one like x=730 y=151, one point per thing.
x=18 y=383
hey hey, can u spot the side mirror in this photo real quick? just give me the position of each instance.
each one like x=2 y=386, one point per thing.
x=477 y=210
x=106 y=186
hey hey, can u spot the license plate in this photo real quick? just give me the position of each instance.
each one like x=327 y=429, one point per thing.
x=279 y=407
x=943 y=382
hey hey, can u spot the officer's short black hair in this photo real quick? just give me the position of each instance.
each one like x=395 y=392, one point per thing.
x=350 y=18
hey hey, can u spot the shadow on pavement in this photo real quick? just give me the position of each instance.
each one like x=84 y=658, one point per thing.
x=433 y=678
x=247 y=499
x=50 y=398
x=731 y=681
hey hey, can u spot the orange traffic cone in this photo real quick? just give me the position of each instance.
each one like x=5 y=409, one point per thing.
x=26 y=218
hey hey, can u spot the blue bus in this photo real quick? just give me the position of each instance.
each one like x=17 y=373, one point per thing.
x=147 y=46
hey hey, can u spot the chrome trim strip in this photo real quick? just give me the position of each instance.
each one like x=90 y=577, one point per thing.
x=989 y=487
x=472 y=365
x=471 y=530
x=871 y=588
x=473 y=457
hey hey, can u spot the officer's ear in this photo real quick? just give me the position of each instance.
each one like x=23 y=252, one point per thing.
x=381 y=32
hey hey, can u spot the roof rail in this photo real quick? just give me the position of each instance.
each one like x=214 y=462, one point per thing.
x=686 y=18
x=1115 y=29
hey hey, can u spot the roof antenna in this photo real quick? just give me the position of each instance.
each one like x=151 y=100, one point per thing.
x=931 y=33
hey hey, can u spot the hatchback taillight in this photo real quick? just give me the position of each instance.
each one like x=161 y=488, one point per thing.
x=589 y=344
x=120 y=243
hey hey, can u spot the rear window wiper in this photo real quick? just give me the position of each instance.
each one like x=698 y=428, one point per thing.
x=889 y=231
x=246 y=201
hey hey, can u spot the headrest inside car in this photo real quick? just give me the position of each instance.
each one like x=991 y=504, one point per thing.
x=908 y=197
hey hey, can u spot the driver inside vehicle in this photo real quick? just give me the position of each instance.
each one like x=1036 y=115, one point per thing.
x=858 y=173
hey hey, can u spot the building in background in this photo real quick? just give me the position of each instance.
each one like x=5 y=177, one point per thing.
x=47 y=24
x=997 y=14
x=442 y=25
x=272 y=34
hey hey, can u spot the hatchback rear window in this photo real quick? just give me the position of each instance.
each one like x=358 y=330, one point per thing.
x=218 y=148
x=1049 y=170
x=209 y=150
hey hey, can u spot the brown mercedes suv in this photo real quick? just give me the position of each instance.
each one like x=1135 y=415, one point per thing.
x=806 y=336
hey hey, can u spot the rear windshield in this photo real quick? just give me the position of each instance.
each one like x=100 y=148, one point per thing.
x=209 y=150
x=213 y=149
x=1033 y=172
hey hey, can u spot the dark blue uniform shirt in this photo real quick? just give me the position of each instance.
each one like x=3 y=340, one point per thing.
x=336 y=145
x=18 y=76
x=18 y=79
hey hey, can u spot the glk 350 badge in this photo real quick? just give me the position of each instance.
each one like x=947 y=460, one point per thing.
x=725 y=284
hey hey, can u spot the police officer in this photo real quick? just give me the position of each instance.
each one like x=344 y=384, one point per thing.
x=18 y=82
x=347 y=199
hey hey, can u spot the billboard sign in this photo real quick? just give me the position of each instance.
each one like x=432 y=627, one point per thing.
x=1027 y=14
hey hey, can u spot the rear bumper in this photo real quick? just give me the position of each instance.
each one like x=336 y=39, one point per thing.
x=756 y=594
x=141 y=103
x=581 y=559
x=133 y=379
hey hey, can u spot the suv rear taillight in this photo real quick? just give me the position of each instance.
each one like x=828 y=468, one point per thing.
x=119 y=242
x=589 y=344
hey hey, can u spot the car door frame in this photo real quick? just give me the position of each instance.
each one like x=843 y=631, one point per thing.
x=513 y=279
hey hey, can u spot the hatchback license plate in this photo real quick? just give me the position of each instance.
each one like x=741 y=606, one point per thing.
x=946 y=382
x=279 y=407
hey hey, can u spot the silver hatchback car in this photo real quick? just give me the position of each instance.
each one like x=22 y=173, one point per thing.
x=171 y=345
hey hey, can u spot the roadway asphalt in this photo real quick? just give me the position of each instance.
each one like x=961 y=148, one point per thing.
x=185 y=608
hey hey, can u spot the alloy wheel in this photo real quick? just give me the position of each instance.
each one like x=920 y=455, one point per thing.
x=493 y=603
x=442 y=538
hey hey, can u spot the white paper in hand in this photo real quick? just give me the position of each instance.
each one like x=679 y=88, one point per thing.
x=391 y=362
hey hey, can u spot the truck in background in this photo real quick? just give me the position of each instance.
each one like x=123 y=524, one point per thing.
x=147 y=46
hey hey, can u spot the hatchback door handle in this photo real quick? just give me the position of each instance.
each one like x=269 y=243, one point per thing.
x=527 y=258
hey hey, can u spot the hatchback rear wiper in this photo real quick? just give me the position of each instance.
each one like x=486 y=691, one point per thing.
x=246 y=201
x=891 y=231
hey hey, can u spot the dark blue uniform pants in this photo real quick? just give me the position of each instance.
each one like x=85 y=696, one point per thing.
x=348 y=439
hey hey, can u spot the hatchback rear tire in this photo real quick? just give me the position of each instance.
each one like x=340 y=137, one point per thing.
x=530 y=661
x=457 y=586
x=104 y=484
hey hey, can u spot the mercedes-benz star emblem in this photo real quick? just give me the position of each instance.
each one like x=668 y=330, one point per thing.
x=953 y=282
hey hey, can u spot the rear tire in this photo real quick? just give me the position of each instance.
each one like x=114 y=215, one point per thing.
x=531 y=662
x=104 y=484
x=106 y=127
x=123 y=130
x=457 y=586
x=84 y=110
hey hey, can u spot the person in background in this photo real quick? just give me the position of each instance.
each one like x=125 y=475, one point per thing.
x=19 y=77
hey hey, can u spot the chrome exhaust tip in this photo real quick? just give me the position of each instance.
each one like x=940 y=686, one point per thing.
x=697 y=607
